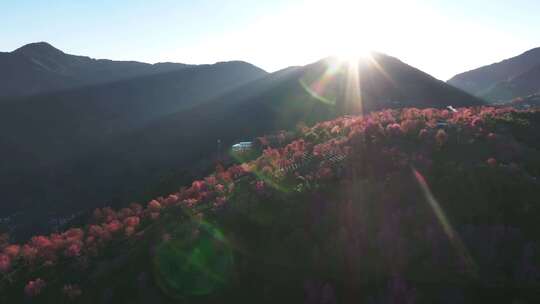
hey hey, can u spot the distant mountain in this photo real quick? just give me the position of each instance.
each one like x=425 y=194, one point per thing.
x=282 y=100
x=39 y=68
x=503 y=80
x=76 y=149
x=522 y=85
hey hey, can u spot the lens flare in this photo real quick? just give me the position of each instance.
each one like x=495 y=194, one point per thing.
x=454 y=238
x=198 y=266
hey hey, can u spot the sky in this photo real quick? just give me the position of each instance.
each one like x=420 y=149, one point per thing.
x=440 y=37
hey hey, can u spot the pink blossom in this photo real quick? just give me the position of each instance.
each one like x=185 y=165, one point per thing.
x=244 y=168
x=393 y=129
x=220 y=201
x=298 y=155
x=57 y=241
x=41 y=242
x=132 y=221
x=445 y=114
x=29 y=252
x=191 y=202
x=409 y=126
x=96 y=231
x=12 y=251
x=154 y=205
x=220 y=188
x=324 y=173
x=198 y=185
x=271 y=153
x=171 y=200
x=5 y=262
x=73 y=250
x=114 y=226
x=492 y=162
x=264 y=141
x=372 y=128
x=259 y=186
x=226 y=176
x=477 y=122
x=74 y=234
x=211 y=180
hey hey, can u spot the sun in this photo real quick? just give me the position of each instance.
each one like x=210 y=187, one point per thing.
x=351 y=52
x=352 y=56
x=350 y=37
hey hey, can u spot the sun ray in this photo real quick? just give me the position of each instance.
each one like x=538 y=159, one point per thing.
x=453 y=236
x=353 y=92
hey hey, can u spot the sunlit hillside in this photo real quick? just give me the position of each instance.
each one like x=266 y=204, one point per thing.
x=397 y=206
x=115 y=142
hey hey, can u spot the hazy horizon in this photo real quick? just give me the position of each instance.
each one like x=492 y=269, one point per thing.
x=437 y=37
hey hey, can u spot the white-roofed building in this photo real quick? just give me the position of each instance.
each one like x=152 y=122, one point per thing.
x=242 y=146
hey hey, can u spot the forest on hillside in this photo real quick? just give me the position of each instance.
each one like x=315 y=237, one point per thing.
x=396 y=206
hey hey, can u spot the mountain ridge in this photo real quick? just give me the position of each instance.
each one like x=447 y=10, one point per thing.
x=39 y=67
x=481 y=80
x=523 y=85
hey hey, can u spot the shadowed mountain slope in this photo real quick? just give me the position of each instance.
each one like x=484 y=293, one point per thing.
x=46 y=136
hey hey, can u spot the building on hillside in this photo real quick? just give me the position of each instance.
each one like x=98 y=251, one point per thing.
x=451 y=108
x=242 y=146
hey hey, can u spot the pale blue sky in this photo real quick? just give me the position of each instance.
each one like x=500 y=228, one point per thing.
x=441 y=37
